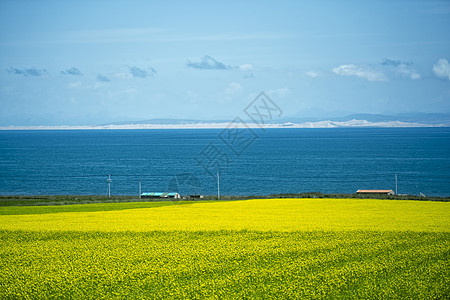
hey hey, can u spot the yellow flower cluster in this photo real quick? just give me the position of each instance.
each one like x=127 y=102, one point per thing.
x=224 y=265
x=254 y=249
x=258 y=214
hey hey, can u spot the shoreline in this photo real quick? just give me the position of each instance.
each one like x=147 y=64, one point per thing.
x=47 y=200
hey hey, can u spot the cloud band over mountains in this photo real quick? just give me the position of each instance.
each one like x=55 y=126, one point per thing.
x=385 y=70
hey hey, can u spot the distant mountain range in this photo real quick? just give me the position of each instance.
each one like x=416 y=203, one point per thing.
x=423 y=118
x=349 y=121
x=427 y=118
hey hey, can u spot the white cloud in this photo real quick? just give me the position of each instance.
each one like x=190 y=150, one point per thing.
x=102 y=78
x=312 y=74
x=142 y=73
x=281 y=92
x=442 y=69
x=72 y=71
x=74 y=85
x=27 y=71
x=387 y=69
x=405 y=71
x=246 y=67
x=207 y=63
x=360 y=71
x=233 y=88
x=123 y=75
x=399 y=68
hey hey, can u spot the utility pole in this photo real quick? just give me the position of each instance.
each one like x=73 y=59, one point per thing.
x=139 y=189
x=218 y=186
x=109 y=186
x=396 y=184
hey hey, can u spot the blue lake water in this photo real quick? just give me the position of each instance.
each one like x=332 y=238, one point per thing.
x=257 y=162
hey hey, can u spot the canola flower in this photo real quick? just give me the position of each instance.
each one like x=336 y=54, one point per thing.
x=255 y=249
x=258 y=214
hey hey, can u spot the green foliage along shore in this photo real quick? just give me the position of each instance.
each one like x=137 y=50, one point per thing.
x=20 y=200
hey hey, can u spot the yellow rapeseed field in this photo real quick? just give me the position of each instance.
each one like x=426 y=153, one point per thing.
x=253 y=249
x=258 y=214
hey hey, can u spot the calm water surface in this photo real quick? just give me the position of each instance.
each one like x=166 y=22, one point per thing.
x=253 y=163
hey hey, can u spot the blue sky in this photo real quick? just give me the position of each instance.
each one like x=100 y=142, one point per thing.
x=93 y=62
